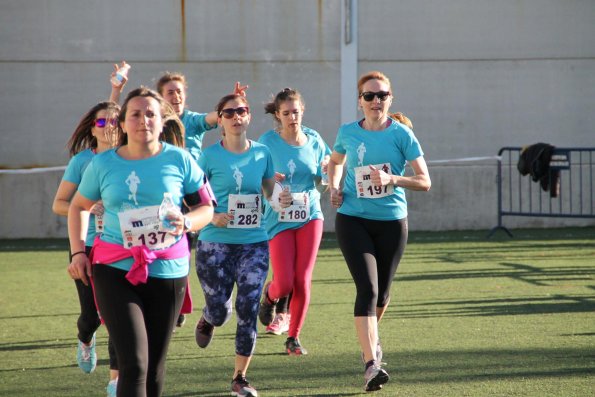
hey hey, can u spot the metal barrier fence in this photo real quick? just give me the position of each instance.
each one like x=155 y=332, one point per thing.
x=572 y=168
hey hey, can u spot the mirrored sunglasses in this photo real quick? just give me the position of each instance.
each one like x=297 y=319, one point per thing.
x=100 y=123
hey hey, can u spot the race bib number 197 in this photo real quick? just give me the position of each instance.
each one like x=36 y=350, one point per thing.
x=365 y=187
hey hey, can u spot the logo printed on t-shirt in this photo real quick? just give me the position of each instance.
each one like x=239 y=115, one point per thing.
x=291 y=166
x=133 y=181
x=361 y=152
x=238 y=176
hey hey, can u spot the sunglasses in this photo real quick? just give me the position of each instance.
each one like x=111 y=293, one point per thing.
x=228 y=113
x=100 y=123
x=369 y=95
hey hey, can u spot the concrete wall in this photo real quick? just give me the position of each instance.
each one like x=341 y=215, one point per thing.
x=463 y=197
x=473 y=75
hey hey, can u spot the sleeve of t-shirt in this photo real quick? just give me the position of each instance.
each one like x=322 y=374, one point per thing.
x=200 y=120
x=89 y=186
x=338 y=147
x=269 y=171
x=194 y=175
x=73 y=172
x=410 y=145
x=202 y=162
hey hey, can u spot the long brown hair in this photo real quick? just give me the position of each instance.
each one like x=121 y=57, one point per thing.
x=82 y=137
x=173 y=129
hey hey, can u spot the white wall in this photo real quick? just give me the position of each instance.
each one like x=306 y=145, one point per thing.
x=473 y=75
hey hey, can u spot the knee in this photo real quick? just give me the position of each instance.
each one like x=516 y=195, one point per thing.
x=220 y=318
x=133 y=369
x=383 y=300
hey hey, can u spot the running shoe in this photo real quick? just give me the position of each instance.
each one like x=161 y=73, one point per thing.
x=203 y=332
x=181 y=320
x=240 y=387
x=279 y=325
x=86 y=356
x=112 y=387
x=266 y=313
x=294 y=348
x=375 y=377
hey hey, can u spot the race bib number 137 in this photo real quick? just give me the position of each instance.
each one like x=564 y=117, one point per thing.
x=141 y=227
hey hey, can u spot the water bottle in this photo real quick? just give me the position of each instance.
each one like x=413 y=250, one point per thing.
x=122 y=72
x=324 y=179
x=167 y=207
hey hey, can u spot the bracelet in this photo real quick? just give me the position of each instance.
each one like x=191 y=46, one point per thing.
x=76 y=253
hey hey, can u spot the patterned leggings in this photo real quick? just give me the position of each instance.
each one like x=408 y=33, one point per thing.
x=219 y=266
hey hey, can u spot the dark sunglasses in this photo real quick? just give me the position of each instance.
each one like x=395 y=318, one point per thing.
x=100 y=123
x=228 y=113
x=369 y=95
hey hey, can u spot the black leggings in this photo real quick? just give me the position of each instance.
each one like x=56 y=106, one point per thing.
x=140 y=320
x=372 y=250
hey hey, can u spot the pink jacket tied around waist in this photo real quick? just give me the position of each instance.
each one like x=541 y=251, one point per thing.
x=106 y=253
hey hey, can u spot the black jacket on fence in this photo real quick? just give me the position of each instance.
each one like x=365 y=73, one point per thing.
x=535 y=160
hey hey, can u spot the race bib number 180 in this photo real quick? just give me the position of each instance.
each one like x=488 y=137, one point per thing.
x=298 y=211
x=365 y=187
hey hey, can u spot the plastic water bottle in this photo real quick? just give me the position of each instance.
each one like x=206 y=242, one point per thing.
x=122 y=72
x=324 y=179
x=167 y=207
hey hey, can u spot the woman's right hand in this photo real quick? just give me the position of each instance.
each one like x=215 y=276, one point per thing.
x=279 y=177
x=221 y=219
x=336 y=197
x=80 y=268
x=97 y=208
x=118 y=87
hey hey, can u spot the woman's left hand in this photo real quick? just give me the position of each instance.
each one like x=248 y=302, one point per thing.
x=379 y=177
x=176 y=219
x=324 y=164
x=285 y=198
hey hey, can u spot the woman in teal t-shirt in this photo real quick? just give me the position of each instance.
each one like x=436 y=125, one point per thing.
x=94 y=134
x=299 y=155
x=371 y=222
x=233 y=249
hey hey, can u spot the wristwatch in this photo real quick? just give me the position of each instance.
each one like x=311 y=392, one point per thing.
x=187 y=223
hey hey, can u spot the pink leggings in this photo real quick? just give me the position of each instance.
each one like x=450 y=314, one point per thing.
x=293 y=255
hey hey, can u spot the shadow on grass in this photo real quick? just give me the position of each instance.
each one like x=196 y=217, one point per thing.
x=527 y=273
x=558 y=303
x=341 y=375
x=493 y=364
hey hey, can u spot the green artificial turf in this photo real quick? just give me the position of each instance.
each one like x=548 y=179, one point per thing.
x=468 y=317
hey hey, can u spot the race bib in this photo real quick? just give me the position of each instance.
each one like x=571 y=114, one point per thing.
x=245 y=209
x=99 y=223
x=364 y=186
x=141 y=227
x=298 y=211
